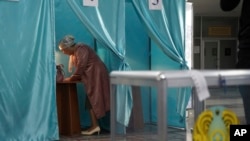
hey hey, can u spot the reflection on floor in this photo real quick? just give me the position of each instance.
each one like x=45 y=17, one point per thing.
x=229 y=98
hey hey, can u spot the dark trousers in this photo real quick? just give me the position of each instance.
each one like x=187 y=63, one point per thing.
x=245 y=94
x=244 y=63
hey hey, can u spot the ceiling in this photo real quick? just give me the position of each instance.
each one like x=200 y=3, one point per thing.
x=212 y=8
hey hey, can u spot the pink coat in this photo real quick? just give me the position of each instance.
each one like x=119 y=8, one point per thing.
x=95 y=78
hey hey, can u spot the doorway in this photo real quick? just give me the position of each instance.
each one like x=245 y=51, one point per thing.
x=210 y=57
x=218 y=54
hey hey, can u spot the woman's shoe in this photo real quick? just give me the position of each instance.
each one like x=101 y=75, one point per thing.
x=91 y=132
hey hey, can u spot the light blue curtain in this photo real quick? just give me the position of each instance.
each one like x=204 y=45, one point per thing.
x=27 y=71
x=166 y=27
x=107 y=24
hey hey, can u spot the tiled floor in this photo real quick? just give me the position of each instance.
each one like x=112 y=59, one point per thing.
x=149 y=132
x=147 y=135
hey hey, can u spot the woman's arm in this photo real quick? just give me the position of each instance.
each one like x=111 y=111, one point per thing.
x=82 y=59
x=228 y=5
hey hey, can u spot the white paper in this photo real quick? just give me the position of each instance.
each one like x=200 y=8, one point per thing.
x=155 y=4
x=93 y=3
x=200 y=85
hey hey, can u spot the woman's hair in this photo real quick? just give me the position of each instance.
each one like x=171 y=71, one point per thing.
x=66 y=42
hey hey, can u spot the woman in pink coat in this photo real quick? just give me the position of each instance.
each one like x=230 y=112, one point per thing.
x=89 y=69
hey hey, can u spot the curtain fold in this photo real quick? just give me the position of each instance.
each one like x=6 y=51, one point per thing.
x=166 y=27
x=103 y=23
x=106 y=23
x=27 y=71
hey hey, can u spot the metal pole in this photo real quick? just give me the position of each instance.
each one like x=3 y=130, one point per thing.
x=113 y=111
x=162 y=110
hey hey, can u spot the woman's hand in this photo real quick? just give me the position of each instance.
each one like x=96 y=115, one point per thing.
x=66 y=79
x=72 y=78
x=75 y=77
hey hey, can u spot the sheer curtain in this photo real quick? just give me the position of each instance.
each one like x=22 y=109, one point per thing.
x=106 y=23
x=166 y=27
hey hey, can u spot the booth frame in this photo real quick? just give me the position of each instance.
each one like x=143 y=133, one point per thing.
x=173 y=78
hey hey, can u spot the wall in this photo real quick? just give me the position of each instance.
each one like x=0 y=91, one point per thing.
x=202 y=25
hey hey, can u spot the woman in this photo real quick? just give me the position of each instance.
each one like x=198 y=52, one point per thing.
x=92 y=72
